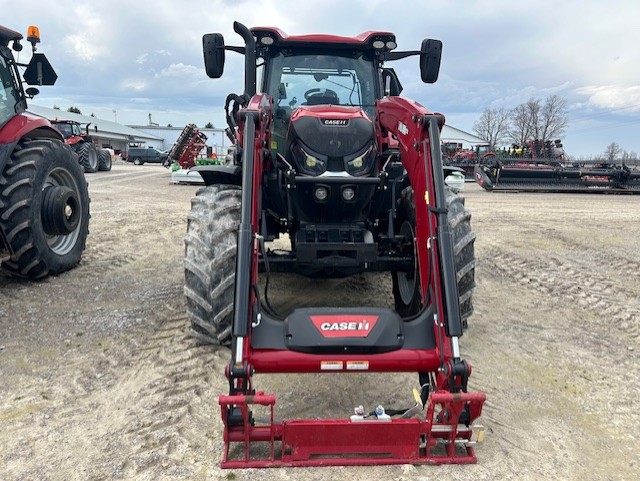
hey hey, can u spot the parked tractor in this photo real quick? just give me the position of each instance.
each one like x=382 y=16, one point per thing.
x=328 y=154
x=44 y=200
x=90 y=157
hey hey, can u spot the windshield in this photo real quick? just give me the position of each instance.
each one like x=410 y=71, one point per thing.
x=9 y=95
x=297 y=78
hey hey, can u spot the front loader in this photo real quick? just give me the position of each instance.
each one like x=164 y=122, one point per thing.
x=328 y=154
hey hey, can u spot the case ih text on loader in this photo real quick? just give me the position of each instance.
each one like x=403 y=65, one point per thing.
x=329 y=154
x=44 y=200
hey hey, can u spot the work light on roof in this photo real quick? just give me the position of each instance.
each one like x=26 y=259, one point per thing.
x=266 y=40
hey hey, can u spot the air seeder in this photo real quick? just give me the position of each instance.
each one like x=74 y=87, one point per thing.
x=328 y=153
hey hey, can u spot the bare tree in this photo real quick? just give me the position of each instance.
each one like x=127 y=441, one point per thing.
x=553 y=118
x=532 y=120
x=520 y=126
x=493 y=126
x=612 y=152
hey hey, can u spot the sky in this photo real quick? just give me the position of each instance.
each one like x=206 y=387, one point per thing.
x=124 y=60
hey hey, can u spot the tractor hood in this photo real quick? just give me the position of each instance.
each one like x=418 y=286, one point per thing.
x=331 y=132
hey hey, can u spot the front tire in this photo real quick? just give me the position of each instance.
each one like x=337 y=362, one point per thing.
x=210 y=262
x=406 y=285
x=44 y=209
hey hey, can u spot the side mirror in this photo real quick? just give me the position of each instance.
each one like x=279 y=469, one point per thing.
x=213 y=48
x=390 y=82
x=31 y=92
x=430 y=55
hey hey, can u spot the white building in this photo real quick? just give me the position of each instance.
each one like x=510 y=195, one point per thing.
x=107 y=134
x=452 y=134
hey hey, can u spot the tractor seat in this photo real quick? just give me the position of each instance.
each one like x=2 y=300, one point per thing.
x=322 y=97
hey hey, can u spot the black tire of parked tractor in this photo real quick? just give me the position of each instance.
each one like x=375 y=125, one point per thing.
x=104 y=160
x=44 y=209
x=210 y=262
x=88 y=157
x=406 y=288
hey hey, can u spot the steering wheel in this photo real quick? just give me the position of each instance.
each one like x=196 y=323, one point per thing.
x=320 y=93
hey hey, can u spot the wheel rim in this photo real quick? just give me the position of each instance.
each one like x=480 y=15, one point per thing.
x=407 y=281
x=61 y=181
x=60 y=210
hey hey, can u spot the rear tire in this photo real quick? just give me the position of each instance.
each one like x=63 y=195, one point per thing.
x=210 y=262
x=44 y=209
x=88 y=157
x=104 y=160
x=406 y=286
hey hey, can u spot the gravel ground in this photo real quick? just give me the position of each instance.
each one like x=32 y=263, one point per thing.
x=102 y=380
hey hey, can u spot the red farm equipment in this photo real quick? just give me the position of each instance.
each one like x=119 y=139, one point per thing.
x=183 y=156
x=542 y=166
x=44 y=200
x=467 y=159
x=353 y=175
x=90 y=157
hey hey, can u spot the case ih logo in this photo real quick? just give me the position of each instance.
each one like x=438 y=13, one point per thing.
x=335 y=122
x=344 y=325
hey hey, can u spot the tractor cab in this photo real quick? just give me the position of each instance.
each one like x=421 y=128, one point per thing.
x=68 y=128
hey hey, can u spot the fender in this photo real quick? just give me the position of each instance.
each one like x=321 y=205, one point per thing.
x=220 y=174
x=21 y=125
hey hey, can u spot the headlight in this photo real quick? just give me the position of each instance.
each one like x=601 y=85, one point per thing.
x=361 y=165
x=307 y=163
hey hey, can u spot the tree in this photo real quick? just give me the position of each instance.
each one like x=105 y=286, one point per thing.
x=492 y=126
x=520 y=128
x=74 y=110
x=534 y=121
x=208 y=125
x=553 y=118
x=612 y=152
x=169 y=125
x=55 y=107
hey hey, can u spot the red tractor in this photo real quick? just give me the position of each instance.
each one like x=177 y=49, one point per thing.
x=90 y=157
x=44 y=200
x=328 y=154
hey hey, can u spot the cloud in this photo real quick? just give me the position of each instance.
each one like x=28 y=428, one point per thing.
x=614 y=97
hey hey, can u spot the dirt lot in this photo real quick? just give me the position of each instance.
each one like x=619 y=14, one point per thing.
x=100 y=378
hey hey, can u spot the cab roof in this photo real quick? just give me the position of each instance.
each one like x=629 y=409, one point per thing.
x=7 y=35
x=362 y=41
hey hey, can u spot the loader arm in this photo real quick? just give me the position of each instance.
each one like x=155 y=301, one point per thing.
x=417 y=132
